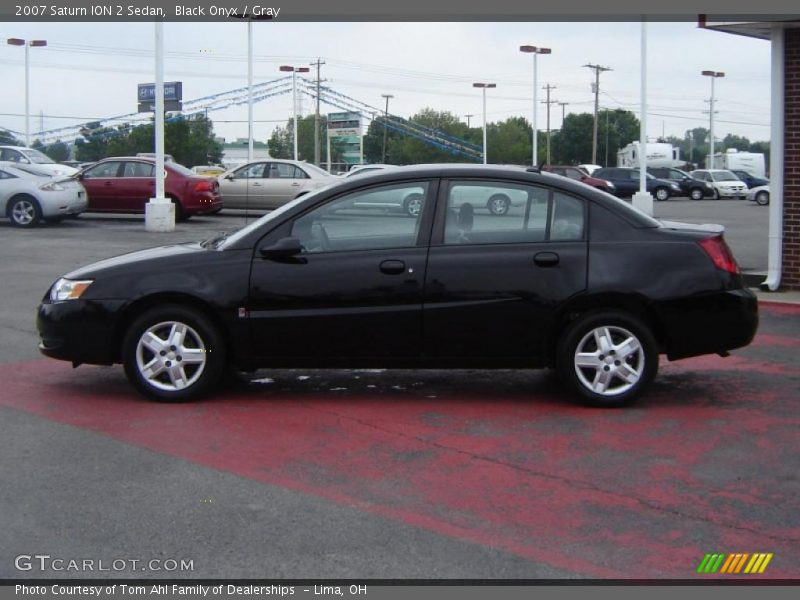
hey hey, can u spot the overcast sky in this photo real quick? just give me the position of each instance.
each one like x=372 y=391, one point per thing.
x=90 y=71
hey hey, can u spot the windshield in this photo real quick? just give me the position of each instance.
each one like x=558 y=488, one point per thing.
x=38 y=158
x=725 y=176
x=633 y=214
x=636 y=173
x=231 y=239
x=31 y=170
x=180 y=169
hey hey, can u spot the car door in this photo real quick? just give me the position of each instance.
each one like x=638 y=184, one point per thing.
x=285 y=182
x=103 y=186
x=494 y=282
x=136 y=185
x=356 y=288
x=237 y=188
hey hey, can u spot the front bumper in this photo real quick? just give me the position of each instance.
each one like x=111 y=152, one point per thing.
x=708 y=323
x=55 y=204
x=80 y=331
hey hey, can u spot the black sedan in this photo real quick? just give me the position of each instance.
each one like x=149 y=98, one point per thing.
x=568 y=277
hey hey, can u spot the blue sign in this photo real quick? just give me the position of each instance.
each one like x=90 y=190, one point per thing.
x=173 y=90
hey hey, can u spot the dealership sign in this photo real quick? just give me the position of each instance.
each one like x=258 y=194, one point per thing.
x=173 y=94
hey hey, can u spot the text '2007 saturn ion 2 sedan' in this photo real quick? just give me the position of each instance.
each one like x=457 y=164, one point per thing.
x=571 y=278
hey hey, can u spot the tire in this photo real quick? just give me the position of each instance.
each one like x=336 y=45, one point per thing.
x=717 y=195
x=602 y=338
x=661 y=194
x=180 y=213
x=762 y=198
x=413 y=205
x=498 y=204
x=178 y=375
x=696 y=194
x=24 y=211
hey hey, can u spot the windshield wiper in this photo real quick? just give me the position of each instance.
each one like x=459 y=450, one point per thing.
x=212 y=242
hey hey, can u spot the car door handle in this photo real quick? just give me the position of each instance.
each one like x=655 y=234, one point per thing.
x=295 y=184
x=109 y=183
x=255 y=184
x=393 y=267
x=546 y=259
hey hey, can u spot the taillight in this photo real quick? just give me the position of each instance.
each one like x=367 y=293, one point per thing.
x=720 y=254
x=204 y=186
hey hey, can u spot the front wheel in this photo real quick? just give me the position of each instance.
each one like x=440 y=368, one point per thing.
x=717 y=195
x=173 y=353
x=762 y=198
x=607 y=357
x=413 y=205
x=498 y=204
x=696 y=194
x=661 y=194
x=24 y=211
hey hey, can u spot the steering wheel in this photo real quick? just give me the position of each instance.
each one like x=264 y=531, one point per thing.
x=318 y=231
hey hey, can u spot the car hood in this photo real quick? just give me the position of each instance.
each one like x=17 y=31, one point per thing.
x=173 y=250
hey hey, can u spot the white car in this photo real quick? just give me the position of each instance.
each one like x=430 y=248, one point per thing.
x=270 y=183
x=29 y=156
x=28 y=195
x=366 y=169
x=759 y=195
x=725 y=183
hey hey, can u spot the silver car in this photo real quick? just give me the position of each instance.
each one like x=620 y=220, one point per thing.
x=270 y=183
x=28 y=195
x=30 y=156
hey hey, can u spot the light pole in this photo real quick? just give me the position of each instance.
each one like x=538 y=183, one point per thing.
x=468 y=120
x=596 y=85
x=714 y=75
x=483 y=86
x=28 y=44
x=536 y=52
x=249 y=90
x=385 y=124
x=294 y=71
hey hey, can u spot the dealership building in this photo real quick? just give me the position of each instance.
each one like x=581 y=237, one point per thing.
x=784 y=218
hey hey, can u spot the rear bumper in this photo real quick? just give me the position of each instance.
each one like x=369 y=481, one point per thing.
x=203 y=204
x=708 y=323
x=80 y=331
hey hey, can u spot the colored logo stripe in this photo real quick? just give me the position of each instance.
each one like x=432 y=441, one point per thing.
x=734 y=563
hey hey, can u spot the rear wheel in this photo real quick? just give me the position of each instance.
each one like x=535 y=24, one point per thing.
x=762 y=198
x=180 y=213
x=24 y=211
x=607 y=357
x=498 y=204
x=661 y=194
x=413 y=204
x=173 y=353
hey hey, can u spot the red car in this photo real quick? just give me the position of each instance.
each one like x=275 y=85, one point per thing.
x=125 y=184
x=579 y=174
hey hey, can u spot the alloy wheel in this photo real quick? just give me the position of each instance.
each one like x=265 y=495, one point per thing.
x=609 y=360
x=170 y=356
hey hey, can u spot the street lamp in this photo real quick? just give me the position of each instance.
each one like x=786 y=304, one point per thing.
x=483 y=86
x=294 y=71
x=385 y=123
x=28 y=44
x=714 y=75
x=536 y=52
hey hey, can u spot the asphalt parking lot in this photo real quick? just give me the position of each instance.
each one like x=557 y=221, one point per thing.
x=404 y=474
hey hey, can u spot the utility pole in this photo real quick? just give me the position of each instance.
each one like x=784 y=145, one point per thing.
x=318 y=64
x=468 y=118
x=597 y=70
x=548 y=102
x=563 y=112
x=385 y=124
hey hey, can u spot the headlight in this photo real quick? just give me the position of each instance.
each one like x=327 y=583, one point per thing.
x=610 y=185
x=675 y=186
x=68 y=289
x=51 y=187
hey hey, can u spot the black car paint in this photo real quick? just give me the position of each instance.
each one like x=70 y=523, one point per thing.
x=626 y=186
x=318 y=310
x=684 y=180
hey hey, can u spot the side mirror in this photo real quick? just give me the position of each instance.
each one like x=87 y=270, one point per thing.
x=283 y=248
x=229 y=177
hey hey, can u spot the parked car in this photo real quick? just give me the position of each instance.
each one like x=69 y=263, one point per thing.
x=28 y=195
x=696 y=189
x=589 y=168
x=125 y=184
x=29 y=156
x=750 y=181
x=626 y=182
x=759 y=195
x=725 y=183
x=580 y=175
x=575 y=279
x=267 y=184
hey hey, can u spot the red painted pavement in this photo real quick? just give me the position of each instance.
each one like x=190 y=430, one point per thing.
x=707 y=462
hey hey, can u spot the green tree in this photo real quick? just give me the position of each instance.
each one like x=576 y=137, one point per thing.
x=615 y=130
x=8 y=139
x=58 y=151
x=281 y=142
